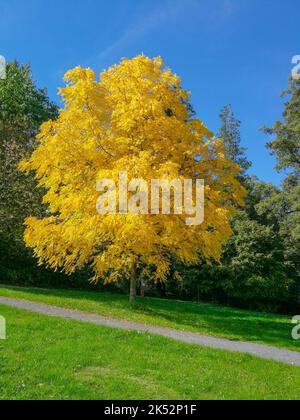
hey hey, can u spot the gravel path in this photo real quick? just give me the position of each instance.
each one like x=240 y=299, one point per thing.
x=262 y=351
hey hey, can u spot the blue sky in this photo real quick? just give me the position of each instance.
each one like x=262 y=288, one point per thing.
x=226 y=51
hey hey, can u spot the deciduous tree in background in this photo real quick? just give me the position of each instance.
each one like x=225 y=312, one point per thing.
x=253 y=271
x=135 y=119
x=285 y=204
x=23 y=108
x=254 y=255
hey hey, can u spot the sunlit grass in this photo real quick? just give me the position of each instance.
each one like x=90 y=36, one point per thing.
x=207 y=319
x=49 y=358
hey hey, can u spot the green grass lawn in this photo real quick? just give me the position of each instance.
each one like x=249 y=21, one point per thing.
x=49 y=358
x=207 y=319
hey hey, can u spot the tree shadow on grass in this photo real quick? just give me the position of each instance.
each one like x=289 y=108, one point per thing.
x=208 y=319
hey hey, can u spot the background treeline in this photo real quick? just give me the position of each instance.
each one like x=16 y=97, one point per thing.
x=260 y=266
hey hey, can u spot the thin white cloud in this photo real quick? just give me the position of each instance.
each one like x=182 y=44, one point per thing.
x=166 y=12
x=216 y=11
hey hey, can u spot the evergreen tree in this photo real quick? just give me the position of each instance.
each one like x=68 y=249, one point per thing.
x=231 y=136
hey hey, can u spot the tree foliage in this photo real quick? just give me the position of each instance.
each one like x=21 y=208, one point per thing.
x=254 y=272
x=285 y=144
x=255 y=255
x=23 y=108
x=231 y=137
x=285 y=204
x=136 y=119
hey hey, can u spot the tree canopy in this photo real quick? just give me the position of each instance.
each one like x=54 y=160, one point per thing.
x=231 y=137
x=135 y=118
x=23 y=108
x=285 y=145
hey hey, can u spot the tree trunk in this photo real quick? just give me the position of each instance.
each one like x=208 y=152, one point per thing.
x=133 y=281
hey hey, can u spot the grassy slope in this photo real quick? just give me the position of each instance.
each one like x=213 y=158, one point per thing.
x=46 y=358
x=207 y=319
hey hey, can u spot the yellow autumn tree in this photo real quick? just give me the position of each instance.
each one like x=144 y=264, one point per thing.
x=135 y=118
